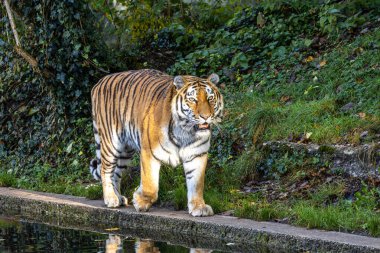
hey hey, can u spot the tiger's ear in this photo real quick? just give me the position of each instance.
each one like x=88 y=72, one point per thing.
x=178 y=82
x=214 y=78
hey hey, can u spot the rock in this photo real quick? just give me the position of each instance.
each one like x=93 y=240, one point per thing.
x=363 y=134
x=358 y=161
x=365 y=30
x=228 y=213
x=347 y=107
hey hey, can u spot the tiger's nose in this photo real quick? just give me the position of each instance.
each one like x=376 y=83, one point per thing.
x=205 y=116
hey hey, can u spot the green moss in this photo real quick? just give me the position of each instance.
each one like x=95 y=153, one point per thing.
x=327 y=149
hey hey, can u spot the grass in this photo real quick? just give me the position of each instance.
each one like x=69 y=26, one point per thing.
x=7 y=180
x=279 y=109
x=340 y=217
x=92 y=191
x=319 y=211
x=262 y=210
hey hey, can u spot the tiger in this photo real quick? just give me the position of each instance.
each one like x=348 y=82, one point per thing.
x=166 y=119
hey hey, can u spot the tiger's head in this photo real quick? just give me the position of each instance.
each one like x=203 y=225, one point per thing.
x=198 y=103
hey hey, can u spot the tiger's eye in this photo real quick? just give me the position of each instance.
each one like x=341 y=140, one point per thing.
x=192 y=100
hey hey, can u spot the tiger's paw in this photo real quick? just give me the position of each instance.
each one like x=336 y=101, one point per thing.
x=201 y=210
x=115 y=200
x=142 y=203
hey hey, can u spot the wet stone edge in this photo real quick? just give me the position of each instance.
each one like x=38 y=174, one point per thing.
x=188 y=233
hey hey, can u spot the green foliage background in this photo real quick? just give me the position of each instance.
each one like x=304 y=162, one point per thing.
x=287 y=68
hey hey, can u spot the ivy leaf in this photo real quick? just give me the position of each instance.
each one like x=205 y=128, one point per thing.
x=33 y=111
x=240 y=60
x=22 y=108
x=70 y=147
x=260 y=20
x=308 y=42
x=61 y=77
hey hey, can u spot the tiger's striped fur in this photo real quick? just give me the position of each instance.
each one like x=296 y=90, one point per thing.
x=167 y=120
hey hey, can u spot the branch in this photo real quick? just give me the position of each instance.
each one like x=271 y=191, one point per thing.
x=27 y=57
x=21 y=52
x=10 y=16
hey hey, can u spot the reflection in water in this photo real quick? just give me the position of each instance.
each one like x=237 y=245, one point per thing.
x=18 y=236
x=114 y=244
x=200 y=250
x=145 y=246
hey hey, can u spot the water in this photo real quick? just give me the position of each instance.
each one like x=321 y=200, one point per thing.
x=22 y=236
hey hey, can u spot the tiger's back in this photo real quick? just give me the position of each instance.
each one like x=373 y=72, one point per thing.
x=121 y=100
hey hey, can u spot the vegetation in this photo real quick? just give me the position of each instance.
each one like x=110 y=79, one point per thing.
x=302 y=71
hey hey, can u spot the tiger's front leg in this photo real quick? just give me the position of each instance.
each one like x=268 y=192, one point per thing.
x=195 y=175
x=147 y=193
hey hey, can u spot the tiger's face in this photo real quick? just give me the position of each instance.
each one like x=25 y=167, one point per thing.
x=199 y=103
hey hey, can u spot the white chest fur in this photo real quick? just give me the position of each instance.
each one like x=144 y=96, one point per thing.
x=169 y=152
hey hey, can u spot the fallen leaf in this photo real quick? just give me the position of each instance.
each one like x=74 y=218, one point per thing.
x=362 y=115
x=358 y=50
x=309 y=58
x=322 y=63
x=112 y=229
x=285 y=99
x=359 y=80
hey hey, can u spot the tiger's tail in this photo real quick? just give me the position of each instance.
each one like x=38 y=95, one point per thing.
x=95 y=164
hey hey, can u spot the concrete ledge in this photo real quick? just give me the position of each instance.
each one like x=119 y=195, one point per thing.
x=217 y=232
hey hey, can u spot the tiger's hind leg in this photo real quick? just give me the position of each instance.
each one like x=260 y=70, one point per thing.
x=95 y=164
x=123 y=162
x=111 y=167
x=111 y=195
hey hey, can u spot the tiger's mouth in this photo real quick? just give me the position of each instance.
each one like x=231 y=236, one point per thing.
x=202 y=127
